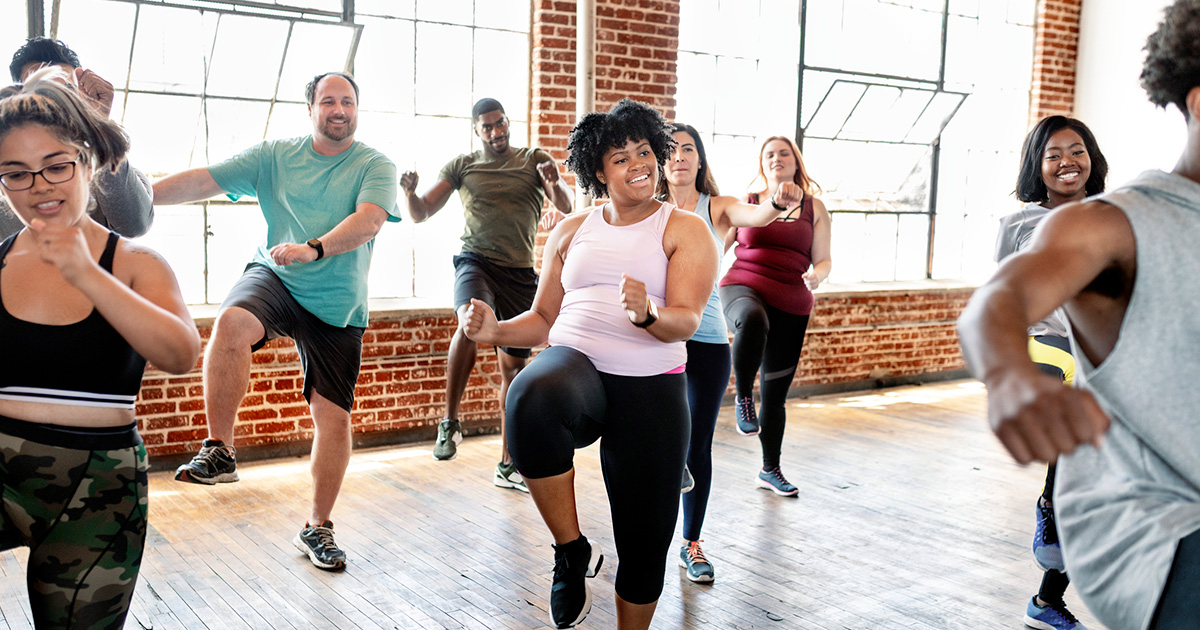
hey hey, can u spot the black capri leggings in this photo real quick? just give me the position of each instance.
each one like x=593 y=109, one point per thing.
x=707 y=378
x=560 y=402
x=765 y=340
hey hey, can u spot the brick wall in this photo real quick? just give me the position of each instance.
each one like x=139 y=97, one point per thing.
x=1056 y=42
x=854 y=339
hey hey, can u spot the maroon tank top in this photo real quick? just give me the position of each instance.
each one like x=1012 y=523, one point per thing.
x=772 y=260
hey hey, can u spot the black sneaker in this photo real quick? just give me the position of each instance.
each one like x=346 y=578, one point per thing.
x=691 y=557
x=215 y=463
x=570 y=596
x=747 y=421
x=774 y=481
x=317 y=543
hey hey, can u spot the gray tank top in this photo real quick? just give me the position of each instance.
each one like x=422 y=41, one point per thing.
x=1123 y=508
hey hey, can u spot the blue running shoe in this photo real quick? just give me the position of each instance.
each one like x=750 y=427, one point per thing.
x=747 y=421
x=774 y=481
x=1050 y=617
x=1046 y=549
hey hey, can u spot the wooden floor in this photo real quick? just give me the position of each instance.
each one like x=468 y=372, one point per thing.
x=909 y=517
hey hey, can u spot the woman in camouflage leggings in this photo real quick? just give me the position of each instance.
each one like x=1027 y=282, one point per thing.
x=81 y=311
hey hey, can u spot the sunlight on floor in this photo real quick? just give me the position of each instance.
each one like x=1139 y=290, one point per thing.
x=912 y=395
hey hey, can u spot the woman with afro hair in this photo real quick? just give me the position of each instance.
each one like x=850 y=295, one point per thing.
x=622 y=288
x=1125 y=267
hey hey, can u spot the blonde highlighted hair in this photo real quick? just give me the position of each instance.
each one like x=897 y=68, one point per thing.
x=48 y=99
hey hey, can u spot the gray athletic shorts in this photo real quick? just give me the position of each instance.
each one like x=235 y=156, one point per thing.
x=508 y=290
x=329 y=356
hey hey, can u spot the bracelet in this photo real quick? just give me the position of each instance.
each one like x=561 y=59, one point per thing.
x=776 y=205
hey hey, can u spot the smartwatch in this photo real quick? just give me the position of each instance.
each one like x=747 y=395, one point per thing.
x=651 y=316
x=315 y=243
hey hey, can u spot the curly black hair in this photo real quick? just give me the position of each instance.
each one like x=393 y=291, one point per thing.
x=1172 y=65
x=41 y=50
x=596 y=133
x=1031 y=188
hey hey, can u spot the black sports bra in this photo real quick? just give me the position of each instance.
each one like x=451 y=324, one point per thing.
x=86 y=363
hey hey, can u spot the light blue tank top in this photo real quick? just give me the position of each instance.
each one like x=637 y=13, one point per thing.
x=712 y=325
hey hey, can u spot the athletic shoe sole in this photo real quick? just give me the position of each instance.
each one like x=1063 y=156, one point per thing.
x=501 y=482
x=312 y=557
x=593 y=569
x=187 y=477
x=765 y=485
x=1040 y=625
x=741 y=432
x=699 y=579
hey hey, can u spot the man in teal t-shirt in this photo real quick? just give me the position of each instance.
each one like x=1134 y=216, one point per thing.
x=502 y=188
x=324 y=197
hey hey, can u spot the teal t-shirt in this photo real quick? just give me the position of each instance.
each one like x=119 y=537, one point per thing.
x=303 y=195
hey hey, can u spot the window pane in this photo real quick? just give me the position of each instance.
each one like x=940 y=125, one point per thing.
x=878 y=248
x=502 y=70
x=736 y=78
x=930 y=124
x=832 y=113
x=241 y=123
x=147 y=118
x=437 y=240
x=13 y=31
x=235 y=232
x=449 y=11
x=911 y=37
x=383 y=66
x=512 y=15
x=443 y=69
x=104 y=50
x=178 y=235
x=695 y=101
x=846 y=247
x=392 y=262
x=734 y=161
x=386 y=8
x=289 y=120
x=245 y=58
x=170 y=49
x=314 y=49
x=912 y=247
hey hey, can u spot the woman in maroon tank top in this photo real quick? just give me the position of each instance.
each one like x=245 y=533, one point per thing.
x=767 y=299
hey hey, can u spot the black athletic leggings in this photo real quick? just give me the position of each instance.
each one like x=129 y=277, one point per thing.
x=707 y=378
x=560 y=402
x=768 y=341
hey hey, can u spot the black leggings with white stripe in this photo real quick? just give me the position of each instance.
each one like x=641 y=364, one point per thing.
x=766 y=341
x=560 y=402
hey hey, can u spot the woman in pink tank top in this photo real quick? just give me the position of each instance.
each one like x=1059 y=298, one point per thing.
x=623 y=286
x=767 y=299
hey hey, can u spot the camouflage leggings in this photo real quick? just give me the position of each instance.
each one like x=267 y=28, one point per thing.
x=81 y=512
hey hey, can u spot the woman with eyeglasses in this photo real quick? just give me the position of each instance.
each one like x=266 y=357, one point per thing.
x=81 y=312
x=767 y=297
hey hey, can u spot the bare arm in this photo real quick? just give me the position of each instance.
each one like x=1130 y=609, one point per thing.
x=353 y=232
x=1035 y=415
x=691 y=272
x=421 y=207
x=821 y=263
x=728 y=212
x=191 y=185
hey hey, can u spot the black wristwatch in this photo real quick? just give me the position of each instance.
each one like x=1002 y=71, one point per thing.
x=315 y=243
x=651 y=316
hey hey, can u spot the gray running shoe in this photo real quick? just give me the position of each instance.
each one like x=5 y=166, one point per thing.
x=316 y=542
x=215 y=463
x=508 y=477
x=448 y=439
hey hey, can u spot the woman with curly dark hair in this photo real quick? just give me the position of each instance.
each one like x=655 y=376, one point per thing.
x=1125 y=267
x=623 y=287
x=1060 y=163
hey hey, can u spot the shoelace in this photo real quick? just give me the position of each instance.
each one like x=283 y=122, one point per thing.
x=778 y=474
x=1061 y=609
x=746 y=407
x=1049 y=530
x=325 y=538
x=695 y=554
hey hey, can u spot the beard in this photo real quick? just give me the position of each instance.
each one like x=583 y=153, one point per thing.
x=502 y=141
x=338 y=134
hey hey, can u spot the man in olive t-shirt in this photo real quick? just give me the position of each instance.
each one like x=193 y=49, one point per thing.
x=502 y=189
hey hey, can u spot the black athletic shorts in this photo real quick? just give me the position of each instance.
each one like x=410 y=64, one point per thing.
x=329 y=356
x=508 y=290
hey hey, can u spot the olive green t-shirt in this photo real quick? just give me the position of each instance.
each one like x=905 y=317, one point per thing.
x=502 y=200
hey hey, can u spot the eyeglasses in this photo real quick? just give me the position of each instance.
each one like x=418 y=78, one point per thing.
x=54 y=174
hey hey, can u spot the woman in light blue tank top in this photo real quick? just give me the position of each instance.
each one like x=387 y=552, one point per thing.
x=688 y=184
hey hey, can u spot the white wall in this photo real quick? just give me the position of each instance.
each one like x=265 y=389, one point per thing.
x=1134 y=135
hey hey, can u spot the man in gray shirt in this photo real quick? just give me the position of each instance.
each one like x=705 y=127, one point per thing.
x=123 y=199
x=1125 y=267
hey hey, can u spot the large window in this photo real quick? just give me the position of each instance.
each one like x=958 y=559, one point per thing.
x=197 y=82
x=911 y=116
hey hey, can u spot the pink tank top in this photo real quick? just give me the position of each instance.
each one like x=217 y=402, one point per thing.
x=591 y=319
x=772 y=259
